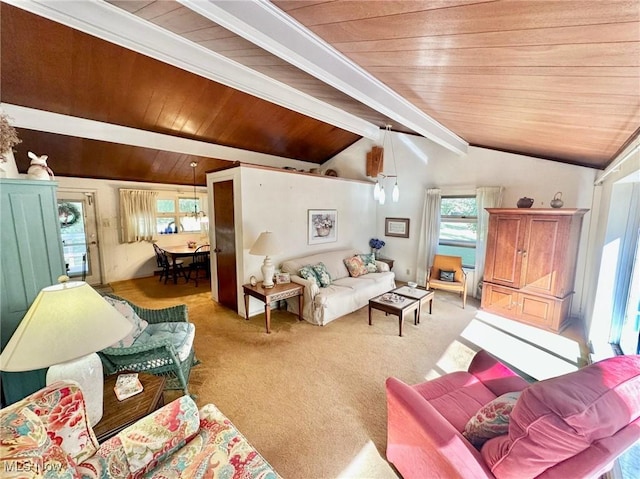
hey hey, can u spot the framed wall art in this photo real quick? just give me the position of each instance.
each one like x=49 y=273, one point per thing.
x=322 y=226
x=283 y=278
x=398 y=227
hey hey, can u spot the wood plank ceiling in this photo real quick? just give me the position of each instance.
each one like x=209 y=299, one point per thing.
x=552 y=79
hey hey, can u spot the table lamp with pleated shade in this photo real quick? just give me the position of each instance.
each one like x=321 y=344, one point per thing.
x=64 y=327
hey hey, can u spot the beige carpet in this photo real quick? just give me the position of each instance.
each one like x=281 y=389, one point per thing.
x=311 y=399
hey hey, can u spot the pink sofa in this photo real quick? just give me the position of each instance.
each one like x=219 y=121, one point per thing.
x=571 y=426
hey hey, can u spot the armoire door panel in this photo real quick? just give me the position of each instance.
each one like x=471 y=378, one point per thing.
x=499 y=300
x=539 y=255
x=536 y=310
x=507 y=239
x=30 y=259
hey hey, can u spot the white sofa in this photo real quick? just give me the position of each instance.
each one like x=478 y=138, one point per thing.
x=344 y=295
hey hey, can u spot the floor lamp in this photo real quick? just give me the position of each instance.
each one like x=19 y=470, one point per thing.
x=62 y=330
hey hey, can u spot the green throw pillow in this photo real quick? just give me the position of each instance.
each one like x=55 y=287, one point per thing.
x=323 y=274
x=307 y=273
x=369 y=261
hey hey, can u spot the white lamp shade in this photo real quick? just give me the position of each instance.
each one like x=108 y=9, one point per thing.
x=395 y=195
x=266 y=245
x=65 y=322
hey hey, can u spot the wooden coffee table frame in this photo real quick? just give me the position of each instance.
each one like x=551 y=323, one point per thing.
x=424 y=296
x=268 y=295
x=118 y=415
x=401 y=310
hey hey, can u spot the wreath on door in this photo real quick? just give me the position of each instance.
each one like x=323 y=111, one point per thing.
x=68 y=214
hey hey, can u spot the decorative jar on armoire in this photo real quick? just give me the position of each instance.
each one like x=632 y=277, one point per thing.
x=530 y=264
x=31 y=258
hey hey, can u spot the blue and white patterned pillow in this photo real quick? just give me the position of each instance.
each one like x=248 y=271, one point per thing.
x=322 y=273
x=307 y=273
x=369 y=261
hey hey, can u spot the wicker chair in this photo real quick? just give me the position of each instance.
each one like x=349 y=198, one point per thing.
x=155 y=357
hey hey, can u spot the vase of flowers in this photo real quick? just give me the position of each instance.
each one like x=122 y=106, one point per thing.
x=376 y=244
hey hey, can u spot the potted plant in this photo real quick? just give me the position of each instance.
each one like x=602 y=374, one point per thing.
x=8 y=138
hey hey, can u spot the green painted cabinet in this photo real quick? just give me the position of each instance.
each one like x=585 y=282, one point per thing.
x=31 y=258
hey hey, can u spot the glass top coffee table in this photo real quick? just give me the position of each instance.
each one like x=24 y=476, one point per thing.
x=423 y=296
x=395 y=304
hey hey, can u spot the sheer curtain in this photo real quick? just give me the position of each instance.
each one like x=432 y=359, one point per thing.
x=486 y=197
x=138 y=215
x=429 y=234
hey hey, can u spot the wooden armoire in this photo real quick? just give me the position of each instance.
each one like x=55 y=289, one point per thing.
x=530 y=264
x=31 y=258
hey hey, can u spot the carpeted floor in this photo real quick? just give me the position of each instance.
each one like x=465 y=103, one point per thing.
x=311 y=399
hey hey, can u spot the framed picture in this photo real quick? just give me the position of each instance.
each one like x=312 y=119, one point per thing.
x=396 y=227
x=283 y=278
x=322 y=226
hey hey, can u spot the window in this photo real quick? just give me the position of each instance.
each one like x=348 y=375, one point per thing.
x=458 y=228
x=176 y=214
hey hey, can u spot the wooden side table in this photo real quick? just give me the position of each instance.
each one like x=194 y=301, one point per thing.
x=118 y=415
x=268 y=295
x=386 y=260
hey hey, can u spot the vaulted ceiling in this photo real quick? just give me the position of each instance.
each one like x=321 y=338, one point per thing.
x=558 y=80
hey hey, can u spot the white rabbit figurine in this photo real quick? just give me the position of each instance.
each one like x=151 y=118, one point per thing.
x=39 y=169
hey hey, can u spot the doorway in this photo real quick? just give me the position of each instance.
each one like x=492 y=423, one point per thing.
x=78 y=230
x=225 y=242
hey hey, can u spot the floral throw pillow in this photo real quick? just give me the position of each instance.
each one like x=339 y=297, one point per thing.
x=355 y=266
x=369 y=261
x=491 y=420
x=307 y=273
x=322 y=273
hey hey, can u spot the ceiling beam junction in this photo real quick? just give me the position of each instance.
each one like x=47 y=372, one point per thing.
x=268 y=27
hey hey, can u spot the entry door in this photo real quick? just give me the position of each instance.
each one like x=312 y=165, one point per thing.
x=78 y=229
x=225 y=247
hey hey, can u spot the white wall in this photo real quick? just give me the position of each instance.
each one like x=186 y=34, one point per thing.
x=421 y=164
x=278 y=201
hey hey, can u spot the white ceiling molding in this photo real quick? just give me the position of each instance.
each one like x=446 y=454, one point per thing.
x=115 y=25
x=265 y=25
x=47 y=121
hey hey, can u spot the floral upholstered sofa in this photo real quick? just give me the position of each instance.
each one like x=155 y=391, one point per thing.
x=47 y=435
x=343 y=290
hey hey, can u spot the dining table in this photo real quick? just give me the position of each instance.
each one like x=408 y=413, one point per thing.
x=179 y=251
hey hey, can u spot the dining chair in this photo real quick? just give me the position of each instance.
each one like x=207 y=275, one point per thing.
x=166 y=266
x=447 y=274
x=200 y=262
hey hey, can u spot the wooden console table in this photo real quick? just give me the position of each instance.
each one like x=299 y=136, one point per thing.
x=118 y=415
x=268 y=295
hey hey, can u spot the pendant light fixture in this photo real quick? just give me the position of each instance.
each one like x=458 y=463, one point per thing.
x=378 y=191
x=199 y=215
